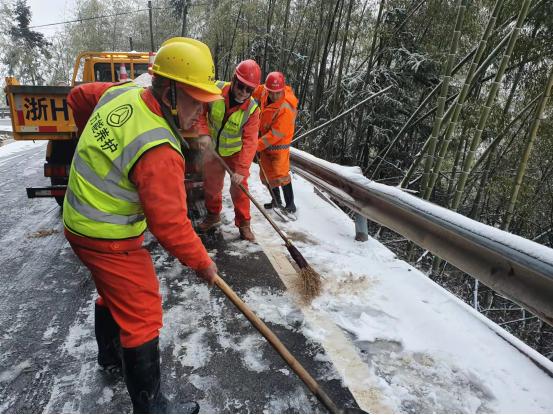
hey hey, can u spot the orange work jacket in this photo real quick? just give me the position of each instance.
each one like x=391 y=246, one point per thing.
x=276 y=129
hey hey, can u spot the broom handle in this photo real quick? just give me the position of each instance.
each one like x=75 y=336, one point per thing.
x=255 y=202
x=296 y=366
x=266 y=179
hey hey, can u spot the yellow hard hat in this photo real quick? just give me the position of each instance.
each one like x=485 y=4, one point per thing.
x=187 y=61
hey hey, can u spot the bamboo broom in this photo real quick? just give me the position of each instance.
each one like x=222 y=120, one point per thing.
x=310 y=279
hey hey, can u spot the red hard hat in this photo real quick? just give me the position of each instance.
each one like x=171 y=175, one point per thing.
x=275 y=82
x=248 y=72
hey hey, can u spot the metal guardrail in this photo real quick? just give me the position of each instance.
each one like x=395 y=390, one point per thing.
x=521 y=271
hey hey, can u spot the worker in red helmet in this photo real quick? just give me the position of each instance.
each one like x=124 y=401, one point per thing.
x=276 y=129
x=232 y=124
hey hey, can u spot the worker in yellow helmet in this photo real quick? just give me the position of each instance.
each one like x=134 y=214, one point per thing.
x=127 y=175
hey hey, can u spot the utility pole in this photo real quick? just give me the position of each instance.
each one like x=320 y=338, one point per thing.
x=184 y=13
x=151 y=29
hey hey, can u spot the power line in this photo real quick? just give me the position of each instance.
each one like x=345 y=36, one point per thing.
x=96 y=17
x=109 y=15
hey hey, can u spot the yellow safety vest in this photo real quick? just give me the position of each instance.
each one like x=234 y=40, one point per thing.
x=101 y=201
x=227 y=138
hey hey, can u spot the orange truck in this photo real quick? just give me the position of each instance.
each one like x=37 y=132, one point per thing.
x=42 y=113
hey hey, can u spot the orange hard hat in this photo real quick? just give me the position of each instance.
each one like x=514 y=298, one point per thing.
x=248 y=72
x=275 y=82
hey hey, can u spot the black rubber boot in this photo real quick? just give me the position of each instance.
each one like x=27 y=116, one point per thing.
x=289 y=197
x=141 y=366
x=271 y=204
x=107 y=337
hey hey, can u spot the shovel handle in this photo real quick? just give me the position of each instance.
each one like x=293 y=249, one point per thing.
x=296 y=366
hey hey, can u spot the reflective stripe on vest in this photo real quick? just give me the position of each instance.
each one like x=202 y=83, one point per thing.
x=101 y=201
x=278 y=147
x=230 y=136
x=114 y=92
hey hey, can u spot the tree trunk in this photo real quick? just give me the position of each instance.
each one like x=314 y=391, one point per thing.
x=319 y=85
x=227 y=67
x=356 y=35
x=487 y=152
x=335 y=45
x=184 y=16
x=375 y=36
x=299 y=26
x=267 y=32
x=458 y=151
x=489 y=102
x=283 y=64
x=527 y=151
x=469 y=80
x=335 y=108
x=446 y=78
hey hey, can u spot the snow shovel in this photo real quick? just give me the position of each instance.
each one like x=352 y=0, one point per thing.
x=310 y=278
x=296 y=366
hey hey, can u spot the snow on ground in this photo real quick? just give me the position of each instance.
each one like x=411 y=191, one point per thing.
x=427 y=350
x=5 y=127
x=16 y=147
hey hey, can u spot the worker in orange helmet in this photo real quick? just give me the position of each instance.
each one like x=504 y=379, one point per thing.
x=127 y=175
x=233 y=124
x=276 y=129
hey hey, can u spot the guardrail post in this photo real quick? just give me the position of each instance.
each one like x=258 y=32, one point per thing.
x=361 y=228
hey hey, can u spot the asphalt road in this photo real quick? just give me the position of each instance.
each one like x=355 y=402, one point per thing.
x=210 y=352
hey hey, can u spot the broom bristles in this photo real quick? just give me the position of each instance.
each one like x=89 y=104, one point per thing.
x=311 y=283
x=310 y=280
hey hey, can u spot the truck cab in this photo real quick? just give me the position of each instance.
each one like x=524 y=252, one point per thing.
x=42 y=112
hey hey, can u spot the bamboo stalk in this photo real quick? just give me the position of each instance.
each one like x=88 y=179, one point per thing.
x=446 y=78
x=502 y=134
x=458 y=105
x=527 y=151
x=486 y=110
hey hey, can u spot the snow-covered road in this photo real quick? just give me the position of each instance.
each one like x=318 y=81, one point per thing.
x=397 y=340
x=210 y=352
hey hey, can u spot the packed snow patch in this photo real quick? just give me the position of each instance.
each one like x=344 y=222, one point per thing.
x=11 y=374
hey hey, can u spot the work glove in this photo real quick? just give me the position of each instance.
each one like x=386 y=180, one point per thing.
x=236 y=179
x=208 y=274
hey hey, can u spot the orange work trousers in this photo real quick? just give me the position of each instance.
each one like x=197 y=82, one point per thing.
x=214 y=179
x=127 y=284
x=276 y=165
